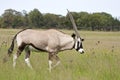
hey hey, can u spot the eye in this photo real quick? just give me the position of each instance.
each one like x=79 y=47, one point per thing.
x=82 y=39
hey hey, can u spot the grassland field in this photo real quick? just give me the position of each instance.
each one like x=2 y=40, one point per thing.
x=101 y=60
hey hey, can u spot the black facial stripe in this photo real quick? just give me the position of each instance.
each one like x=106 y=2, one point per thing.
x=78 y=46
x=81 y=45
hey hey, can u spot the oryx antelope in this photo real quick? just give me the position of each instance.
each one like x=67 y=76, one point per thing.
x=51 y=41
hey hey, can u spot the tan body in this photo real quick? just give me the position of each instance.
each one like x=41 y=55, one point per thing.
x=49 y=40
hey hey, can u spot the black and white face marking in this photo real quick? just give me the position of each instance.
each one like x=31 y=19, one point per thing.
x=78 y=45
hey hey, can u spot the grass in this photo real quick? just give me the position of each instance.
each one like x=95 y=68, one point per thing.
x=101 y=60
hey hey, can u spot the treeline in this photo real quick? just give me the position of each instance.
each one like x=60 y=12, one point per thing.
x=35 y=19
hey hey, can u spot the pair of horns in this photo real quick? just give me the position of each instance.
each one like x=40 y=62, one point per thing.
x=73 y=23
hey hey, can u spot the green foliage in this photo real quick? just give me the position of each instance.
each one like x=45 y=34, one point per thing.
x=35 y=19
x=51 y=20
x=11 y=18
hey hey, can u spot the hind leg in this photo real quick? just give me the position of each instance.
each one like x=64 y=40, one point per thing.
x=27 y=56
x=15 y=56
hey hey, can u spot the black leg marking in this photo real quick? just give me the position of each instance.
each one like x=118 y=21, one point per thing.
x=27 y=51
x=19 y=51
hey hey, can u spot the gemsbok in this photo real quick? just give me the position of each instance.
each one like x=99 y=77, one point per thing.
x=51 y=41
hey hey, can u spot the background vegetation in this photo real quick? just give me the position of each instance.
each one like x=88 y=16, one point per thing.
x=101 y=60
x=35 y=19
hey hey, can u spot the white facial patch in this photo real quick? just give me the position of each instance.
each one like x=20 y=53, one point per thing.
x=81 y=50
x=77 y=44
x=78 y=39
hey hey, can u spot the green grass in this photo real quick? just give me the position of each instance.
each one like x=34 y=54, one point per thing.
x=101 y=60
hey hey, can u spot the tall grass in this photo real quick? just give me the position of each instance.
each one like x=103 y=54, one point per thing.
x=101 y=60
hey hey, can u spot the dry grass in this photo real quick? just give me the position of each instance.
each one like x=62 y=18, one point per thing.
x=101 y=60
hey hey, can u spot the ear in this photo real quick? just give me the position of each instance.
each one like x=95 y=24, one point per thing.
x=73 y=35
x=82 y=39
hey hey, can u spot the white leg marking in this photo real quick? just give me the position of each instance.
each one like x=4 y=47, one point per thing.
x=50 y=65
x=27 y=61
x=14 y=60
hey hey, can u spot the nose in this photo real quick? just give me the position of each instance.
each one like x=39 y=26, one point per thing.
x=81 y=51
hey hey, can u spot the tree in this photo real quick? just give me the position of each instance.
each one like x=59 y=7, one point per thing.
x=106 y=21
x=11 y=19
x=83 y=20
x=116 y=24
x=35 y=18
x=25 y=18
x=7 y=18
x=51 y=20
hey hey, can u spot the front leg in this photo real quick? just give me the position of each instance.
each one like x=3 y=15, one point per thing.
x=52 y=57
x=57 y=61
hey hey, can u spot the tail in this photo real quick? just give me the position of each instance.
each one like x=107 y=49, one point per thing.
x=10 y=50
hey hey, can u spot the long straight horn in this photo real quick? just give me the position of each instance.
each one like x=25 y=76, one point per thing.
x=73 y=23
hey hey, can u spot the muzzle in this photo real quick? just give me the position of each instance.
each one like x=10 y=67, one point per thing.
x=81 y=50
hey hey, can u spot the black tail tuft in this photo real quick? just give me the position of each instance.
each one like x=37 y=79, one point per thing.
x=10 y=50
